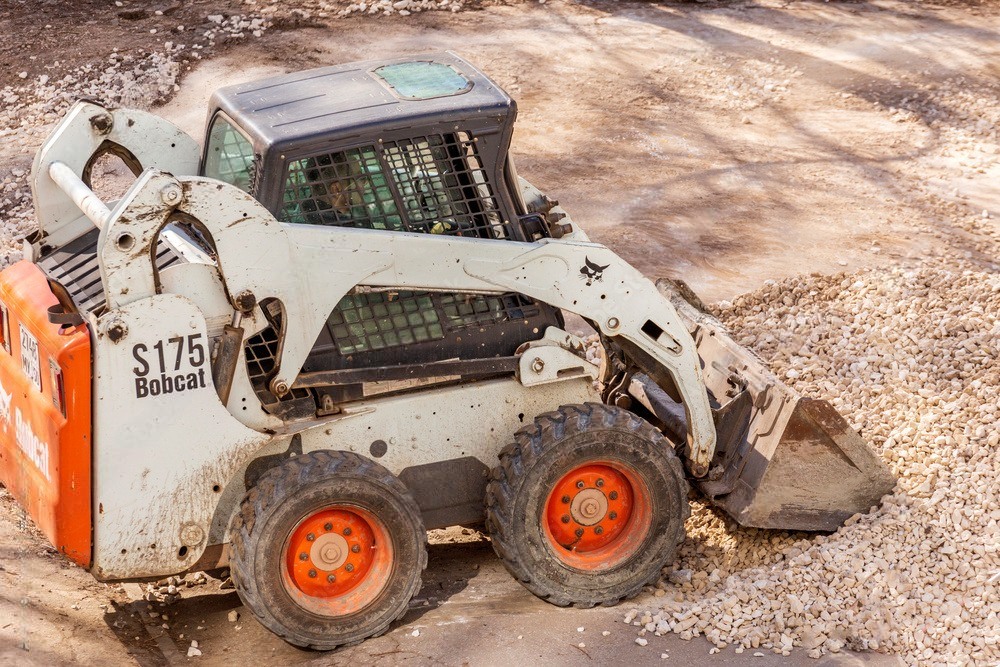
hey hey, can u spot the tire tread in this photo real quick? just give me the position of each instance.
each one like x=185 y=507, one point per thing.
x=275 y=486
x=530 y=442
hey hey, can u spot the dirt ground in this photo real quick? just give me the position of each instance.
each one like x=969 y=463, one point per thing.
x=726 y=143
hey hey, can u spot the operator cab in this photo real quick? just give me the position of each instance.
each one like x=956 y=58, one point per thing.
x=404 y=145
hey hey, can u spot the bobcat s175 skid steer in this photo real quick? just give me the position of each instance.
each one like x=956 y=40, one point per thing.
x=340 y=324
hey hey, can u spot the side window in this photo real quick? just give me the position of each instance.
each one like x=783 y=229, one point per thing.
x=366 y=322
x=379 y=320
x=229 y=155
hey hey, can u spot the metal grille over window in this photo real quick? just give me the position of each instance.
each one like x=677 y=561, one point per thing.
x=230 y=156
x=441 y=186
x=432 y=184
x=346 y=189
x=365 y=322
x=470 y=310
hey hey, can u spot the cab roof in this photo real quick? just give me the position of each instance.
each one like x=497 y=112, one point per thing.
x=361 y=98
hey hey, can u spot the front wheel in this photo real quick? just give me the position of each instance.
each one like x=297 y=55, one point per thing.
x=587 y=506
x=327 y=549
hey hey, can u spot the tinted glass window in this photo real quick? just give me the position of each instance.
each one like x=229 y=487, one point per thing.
x=423 y=80
x=229 y=156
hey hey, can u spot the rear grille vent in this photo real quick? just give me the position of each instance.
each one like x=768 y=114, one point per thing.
x=75 y=266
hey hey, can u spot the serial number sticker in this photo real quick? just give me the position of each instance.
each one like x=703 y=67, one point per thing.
x=29 y=357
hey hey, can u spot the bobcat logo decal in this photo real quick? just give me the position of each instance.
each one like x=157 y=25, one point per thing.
x=592 y=272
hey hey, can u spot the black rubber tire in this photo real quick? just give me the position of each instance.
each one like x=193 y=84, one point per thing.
x=556 y=443
x=286 y=494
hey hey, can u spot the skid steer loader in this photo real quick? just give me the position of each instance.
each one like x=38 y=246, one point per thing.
x=340 y=324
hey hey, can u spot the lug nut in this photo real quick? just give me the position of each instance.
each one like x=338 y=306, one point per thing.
x=310 y=537
x=579 y=532
x=613 y=495
x=580 y=484
x=330 y=578
x=327 y=526
x=347 y=531
x=598 y=530
x=613 y=516
x=565 y=500
x=600 y=483
x=312 y=573
x=349 y=567
x=356 y=548
x=565 y=518
x=303 y=556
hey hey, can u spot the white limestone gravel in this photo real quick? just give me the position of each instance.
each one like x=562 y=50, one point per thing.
x=910 y=358
x=909 y=355
x=320 y=9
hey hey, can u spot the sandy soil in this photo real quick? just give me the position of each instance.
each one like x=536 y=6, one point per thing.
x=724 y=143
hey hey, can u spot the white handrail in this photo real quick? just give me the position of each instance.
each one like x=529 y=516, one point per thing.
x=85 y=198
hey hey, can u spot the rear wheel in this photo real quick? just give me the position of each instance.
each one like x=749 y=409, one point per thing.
x=327 y=549
x=587 y=505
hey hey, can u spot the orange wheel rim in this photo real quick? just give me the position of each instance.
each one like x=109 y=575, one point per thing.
x=337 y=561
x=597 y=515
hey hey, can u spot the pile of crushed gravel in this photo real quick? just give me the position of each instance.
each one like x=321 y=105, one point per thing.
x=321 y=9
x=910 y=355
x=910 y=358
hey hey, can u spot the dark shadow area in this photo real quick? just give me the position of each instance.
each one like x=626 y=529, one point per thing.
x=450 y=566
x=125 y=622
x=206 y=614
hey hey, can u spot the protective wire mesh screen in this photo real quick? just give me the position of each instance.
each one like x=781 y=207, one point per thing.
x=443 y=186
x=429 y=184
x=230 y=156
x=347 y=188
x=364 y=322
x=436 y=184
x=367 y=322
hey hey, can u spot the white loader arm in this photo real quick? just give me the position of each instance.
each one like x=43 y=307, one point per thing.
x=309 y=269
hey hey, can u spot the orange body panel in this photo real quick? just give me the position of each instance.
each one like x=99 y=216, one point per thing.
x=45 y=457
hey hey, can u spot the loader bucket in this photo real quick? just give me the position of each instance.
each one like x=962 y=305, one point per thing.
x=782 y=460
